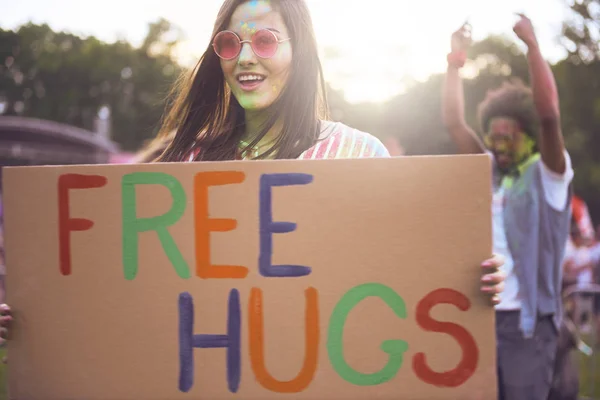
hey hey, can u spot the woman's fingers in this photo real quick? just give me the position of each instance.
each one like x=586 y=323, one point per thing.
x=493 y=279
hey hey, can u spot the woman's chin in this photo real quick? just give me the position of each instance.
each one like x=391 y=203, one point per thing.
x=254 y=106
x=257 y=100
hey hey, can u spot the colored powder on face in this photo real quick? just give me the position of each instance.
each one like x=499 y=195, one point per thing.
x=257 y=6
x=247 y=28
x=502 y=147
x=501 y=139
x=525 y=148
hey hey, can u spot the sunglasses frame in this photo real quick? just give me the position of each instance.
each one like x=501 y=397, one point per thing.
x=277 y=40
x=489 y=138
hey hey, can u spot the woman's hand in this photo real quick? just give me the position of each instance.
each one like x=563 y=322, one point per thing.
x=5 y=320
x=493 y=279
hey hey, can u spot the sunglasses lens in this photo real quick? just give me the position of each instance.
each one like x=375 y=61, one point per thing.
x=227 y=45
x=264 y=43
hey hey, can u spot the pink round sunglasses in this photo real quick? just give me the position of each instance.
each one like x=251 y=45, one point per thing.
x=264 y=43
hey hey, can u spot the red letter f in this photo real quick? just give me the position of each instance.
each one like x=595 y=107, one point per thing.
x=66 y=224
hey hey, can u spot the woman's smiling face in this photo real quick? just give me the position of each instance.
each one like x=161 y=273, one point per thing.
x=254 y=81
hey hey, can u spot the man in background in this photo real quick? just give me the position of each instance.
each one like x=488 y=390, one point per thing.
x=530 y=213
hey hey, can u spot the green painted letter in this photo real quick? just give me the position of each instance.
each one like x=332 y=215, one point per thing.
x=132 y=225
x=395 y=348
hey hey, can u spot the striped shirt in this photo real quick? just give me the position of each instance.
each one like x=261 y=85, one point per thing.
x=340 y=141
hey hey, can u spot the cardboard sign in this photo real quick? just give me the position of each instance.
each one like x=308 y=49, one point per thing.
x=333 y=279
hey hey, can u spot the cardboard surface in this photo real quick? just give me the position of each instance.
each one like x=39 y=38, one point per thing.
x=99 y=316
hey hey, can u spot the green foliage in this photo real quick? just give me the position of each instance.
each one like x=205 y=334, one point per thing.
x=65 y=78
x=579 y=89
x=581 y=31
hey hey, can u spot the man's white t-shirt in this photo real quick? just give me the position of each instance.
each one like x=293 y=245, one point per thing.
x=556 y=193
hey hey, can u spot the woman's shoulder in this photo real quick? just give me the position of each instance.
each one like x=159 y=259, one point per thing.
x=338 y=140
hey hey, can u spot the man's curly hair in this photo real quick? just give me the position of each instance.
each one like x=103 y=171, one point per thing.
x=513 y=100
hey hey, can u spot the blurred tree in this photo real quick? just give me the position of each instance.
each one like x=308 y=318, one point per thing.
x=415 y=118
x=581 y=31
x=578 y=79
x=65 y=78
x=493 y=61
x=579 y=88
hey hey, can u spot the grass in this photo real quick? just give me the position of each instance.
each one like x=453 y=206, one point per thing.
x=589 y=373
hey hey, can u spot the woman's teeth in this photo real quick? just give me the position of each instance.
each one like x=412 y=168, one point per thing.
x=250 y=78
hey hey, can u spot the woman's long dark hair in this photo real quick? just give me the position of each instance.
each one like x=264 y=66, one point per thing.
x=205 y=115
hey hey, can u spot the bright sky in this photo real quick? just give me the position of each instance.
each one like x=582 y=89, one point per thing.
x=377 y=43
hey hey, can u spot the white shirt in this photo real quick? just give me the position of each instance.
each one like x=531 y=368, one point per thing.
x=556 y=193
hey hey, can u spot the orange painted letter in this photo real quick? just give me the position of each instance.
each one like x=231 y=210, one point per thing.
x=206 y=225
x=311 y=346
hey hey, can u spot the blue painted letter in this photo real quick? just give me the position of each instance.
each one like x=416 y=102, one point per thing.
x=187 y=342
x=268 y=227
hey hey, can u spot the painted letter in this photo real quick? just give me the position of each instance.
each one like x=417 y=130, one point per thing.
x=66 y=224
x=311 y=344
x=395 y=348
x=268 y=227
x=132 y=225
x=205 y=225
x=467 y=366
x=187 y=341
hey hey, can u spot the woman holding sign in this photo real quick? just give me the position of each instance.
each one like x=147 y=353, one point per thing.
x=257 y=93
